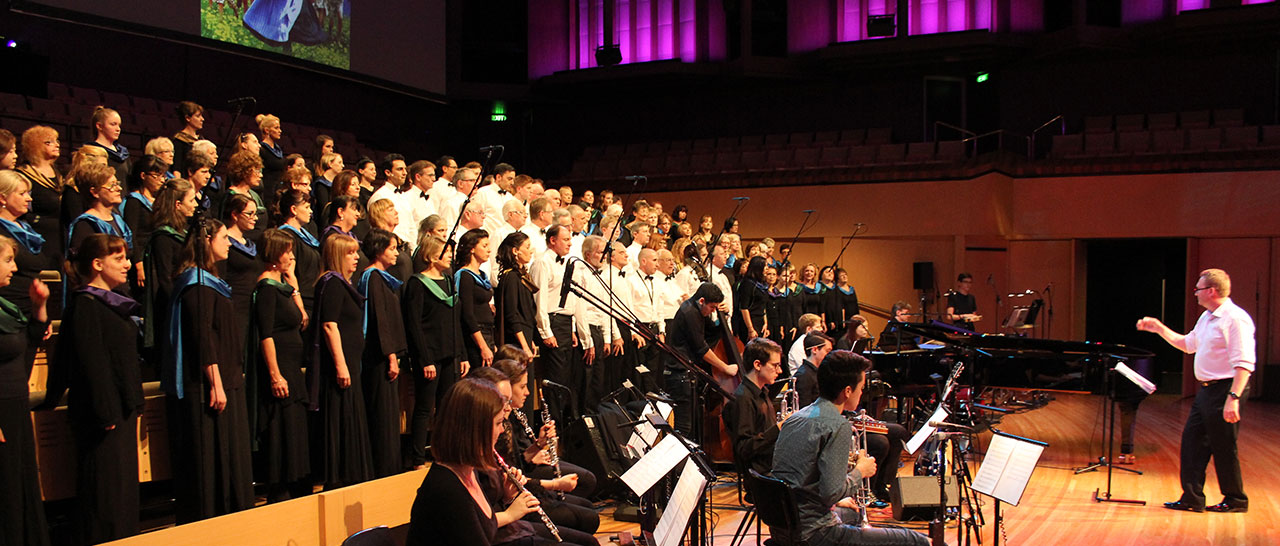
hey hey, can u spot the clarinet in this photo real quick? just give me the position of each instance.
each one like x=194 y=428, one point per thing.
x=515 y=479
x=553 y=447
x=551 y=444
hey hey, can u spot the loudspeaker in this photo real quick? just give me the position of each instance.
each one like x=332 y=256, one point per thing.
x=882 y=25
x=587 y=444
x=922 y=275
x=916 y=497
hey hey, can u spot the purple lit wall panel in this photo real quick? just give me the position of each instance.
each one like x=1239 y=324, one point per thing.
x=1188 y=5
x=644 y=30
x=623 y=29
x=688 y=41
x=1028 y=16
x=809 y=25
x=923 y=16
x=717 y=49
x=666 y=29
x=549 y=50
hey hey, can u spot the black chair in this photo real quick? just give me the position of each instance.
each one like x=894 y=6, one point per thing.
x=775 y=505
x=373 y=536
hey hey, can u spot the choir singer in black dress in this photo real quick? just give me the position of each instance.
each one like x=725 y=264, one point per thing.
x=474 y=293
x=293 y=210
x=22 y=520
x=516 y=308
x=276 y=380
x=203 y=379
x=384 y=342
x=100 y=358
x=335 y=375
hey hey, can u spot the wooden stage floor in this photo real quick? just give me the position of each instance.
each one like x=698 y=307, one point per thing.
x=1058 y=506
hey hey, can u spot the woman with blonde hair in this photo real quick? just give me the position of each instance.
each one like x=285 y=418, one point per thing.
x=383 y=215
x=327 y=171
x=336 y=377
x=102 y=193
x=269 y=149
x=106 y=124
x=73 y=203
x=30 y=254
x=40 y=150
x=162 y=148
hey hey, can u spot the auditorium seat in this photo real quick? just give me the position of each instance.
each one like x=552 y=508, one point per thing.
x=49 y=110
x=11 y=103
x=1168 y=141
x=752 y=142
x=1097 y=124
x=146 y=105
x=82 y=114
x=121 y=99
x=84 y=95
x=1130 y=122
x=59 y=91
x=613 y=150
x=1162 y=121
x=951 y=150
x=678 y=163
x=657 y=148
x=806 y=158
x=853 y=137
x=581 y=169
x=1136 y=142
x=1194 y=119
x=702 y=162
x=779 y=158
x=1270 y=136
x=754 y=160
x=801 y=139
x=861 y=155
x=1231 y=117
x=1100 y=143
x=1204 y=139
x=627 y=166
x=681 y=146
x=833 y=156
x=702 y=144
x=1066 y=145
x=1244 y=137
x=775 y=141
x=593 y=152
x=825 y=137
x=604 y=169
x=728 y=161
x=880 y=135
x=890 y=153
x=727 y=143
x=919 y=152
x=636 y=149
x=653 y=164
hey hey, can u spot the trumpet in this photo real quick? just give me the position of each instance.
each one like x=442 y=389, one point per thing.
x=789 y=401
x=515 y=479
x=862 y=425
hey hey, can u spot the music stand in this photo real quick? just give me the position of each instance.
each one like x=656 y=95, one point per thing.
x=1109 y=441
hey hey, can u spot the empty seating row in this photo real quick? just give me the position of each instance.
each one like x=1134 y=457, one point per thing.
x=846 y=137
x=1165 y=141
x=698 y=162
x=1195 y=119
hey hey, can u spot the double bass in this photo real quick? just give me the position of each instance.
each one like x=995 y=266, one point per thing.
x=717 y=440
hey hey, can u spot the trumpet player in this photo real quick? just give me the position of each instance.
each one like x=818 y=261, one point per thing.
x=812 y=456
x=750 y=417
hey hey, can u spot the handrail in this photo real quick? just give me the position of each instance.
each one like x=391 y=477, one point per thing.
x=1000 y=141
x=1062 y=130
x=961 y=130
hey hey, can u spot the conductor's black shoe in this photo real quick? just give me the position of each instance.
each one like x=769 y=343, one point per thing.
x=1224 y=507
x=1179 y=505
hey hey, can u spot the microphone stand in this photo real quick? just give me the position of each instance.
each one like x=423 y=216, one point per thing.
x=737 y=208
x=488 y=150
x=857 y=228
x=807 y=213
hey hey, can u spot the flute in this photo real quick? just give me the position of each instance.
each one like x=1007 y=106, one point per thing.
x=515 y=479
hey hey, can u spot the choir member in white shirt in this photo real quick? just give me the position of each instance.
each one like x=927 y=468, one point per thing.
x=536 y=228
x=451 y=202
x=472 y=218
x=494 y=196
x=646 y=295
x=563 y=328
x=414 y=205
x=640 y=235
x=604 y=333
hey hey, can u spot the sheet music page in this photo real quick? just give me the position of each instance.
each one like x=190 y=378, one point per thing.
x=1007 y=468
x=655 y=464
x=925 y=430
x=1136 y=378
x=670 y=528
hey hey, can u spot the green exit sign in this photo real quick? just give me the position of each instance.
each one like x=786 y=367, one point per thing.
x=982 y=77
x=497 y=117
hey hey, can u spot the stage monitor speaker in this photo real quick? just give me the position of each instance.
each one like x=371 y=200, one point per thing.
x=922 y=275
x=880 y=26
x=587 y=445
x=916 y=497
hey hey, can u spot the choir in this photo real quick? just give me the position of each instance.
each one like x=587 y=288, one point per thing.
x=282 y=304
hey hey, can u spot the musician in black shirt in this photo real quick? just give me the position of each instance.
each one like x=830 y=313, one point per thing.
x=750 y=417
x=688 y=337
x=962 y=307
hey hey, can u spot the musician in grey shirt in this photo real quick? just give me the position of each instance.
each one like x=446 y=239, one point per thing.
x=812 y=456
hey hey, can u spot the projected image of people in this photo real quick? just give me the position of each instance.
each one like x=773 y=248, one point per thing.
x=312 y=30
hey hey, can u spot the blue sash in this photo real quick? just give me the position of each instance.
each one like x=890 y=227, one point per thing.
x=171 y=379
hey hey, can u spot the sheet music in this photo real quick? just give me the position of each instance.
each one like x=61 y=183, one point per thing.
x=670 y=528
x=655 y=464
x=1007 y=469
x=1136 y=378
x=925 y=430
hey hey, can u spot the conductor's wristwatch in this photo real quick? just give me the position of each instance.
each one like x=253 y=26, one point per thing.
x=1233 y=395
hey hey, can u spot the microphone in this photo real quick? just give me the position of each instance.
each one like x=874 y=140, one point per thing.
x=566 y=282
x=242 y=100
x=491 y=148
x=552 y=384
x=859 y=224
x=635 y=177
x=809 y=211
x=741 y=198
x=951 y=427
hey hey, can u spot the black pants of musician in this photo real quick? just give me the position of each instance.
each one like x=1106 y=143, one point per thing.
x=850 y=535
x=887 y=449
x=680 y=387
x=651 y=358
x=586 y=478
x=593 y=374
x=1206 y=435
x=558 y=364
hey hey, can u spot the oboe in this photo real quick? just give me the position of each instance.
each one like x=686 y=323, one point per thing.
x=553 y=446
x=515 y=479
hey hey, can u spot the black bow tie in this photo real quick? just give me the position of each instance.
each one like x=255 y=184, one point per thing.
x=666 y=277
x=559 y=259
x=542 y=231
x=648 y=277
x=622 y=273
x=502 y=192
